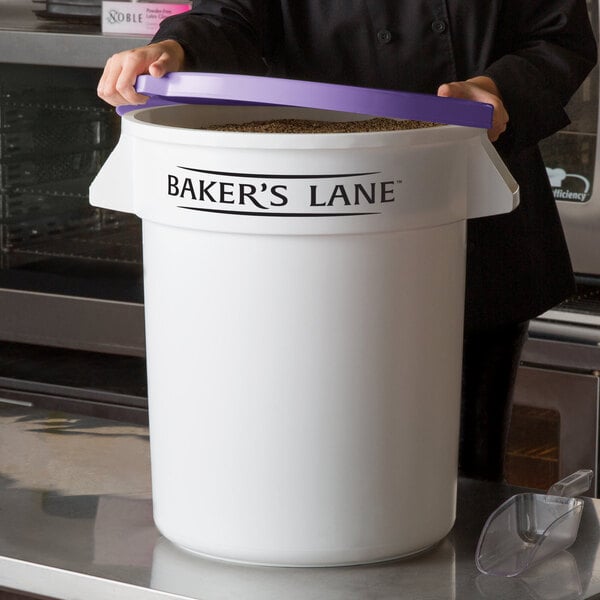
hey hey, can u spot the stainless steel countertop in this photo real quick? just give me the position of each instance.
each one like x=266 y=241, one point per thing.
x=25 y=39
x=76 y=522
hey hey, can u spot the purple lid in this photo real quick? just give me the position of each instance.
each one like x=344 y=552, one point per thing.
x=217 y=88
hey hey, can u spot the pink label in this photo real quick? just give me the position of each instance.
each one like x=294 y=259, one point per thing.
x=137 y=17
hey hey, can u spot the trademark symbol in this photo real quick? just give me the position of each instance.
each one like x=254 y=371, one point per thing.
x=398 y=180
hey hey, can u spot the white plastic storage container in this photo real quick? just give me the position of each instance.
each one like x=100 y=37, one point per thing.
x=304 y=308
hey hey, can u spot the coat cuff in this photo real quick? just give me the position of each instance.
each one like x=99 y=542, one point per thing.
x=208 y=46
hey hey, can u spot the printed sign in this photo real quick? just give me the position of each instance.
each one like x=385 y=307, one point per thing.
x=570 y=187
x=324 y=195
x=137 y=17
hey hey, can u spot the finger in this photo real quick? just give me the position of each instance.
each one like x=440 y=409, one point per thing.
x=496 y=130
x=499 y=126
x=454 y=90
x=444 y=91
x=133 y=64
x=170 y=58
x=160 y=67
x=499 y=123
x=107 y=85
x=165 y=63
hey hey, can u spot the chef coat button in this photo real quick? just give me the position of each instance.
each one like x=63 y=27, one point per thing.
x=384 y=36
x=439 y=26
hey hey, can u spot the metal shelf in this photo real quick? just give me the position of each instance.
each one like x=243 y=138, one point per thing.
x=25 y=39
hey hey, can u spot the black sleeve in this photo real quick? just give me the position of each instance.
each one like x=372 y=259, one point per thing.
x=226 y=36
x=546 y=49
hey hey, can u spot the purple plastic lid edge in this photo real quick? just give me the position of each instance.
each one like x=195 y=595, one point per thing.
x=216 y=88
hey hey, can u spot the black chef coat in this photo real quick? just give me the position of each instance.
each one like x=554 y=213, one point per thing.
x=538 y=52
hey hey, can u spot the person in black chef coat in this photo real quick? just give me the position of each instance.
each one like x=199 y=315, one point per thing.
x=525 y=57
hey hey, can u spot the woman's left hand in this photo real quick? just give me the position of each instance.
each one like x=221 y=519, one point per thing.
x=480 y=89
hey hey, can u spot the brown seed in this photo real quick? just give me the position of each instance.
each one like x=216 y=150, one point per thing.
x=308 y=126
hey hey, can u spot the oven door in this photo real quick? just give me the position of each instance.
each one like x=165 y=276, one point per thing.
x=70 y=274
x=554 y=426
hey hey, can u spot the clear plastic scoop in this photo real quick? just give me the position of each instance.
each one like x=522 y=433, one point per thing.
x=529 y=528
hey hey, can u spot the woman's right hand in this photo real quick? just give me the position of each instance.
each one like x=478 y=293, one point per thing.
x=121 y=70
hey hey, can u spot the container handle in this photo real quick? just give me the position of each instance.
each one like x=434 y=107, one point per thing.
x=573 y=485
x=113 y=186
x=492 y=189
